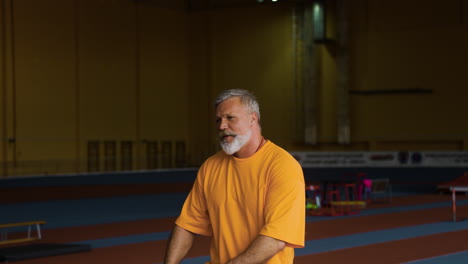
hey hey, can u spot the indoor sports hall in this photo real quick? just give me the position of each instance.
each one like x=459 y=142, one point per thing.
x=106 y=115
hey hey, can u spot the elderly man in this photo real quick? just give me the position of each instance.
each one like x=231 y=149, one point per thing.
x=249 y=197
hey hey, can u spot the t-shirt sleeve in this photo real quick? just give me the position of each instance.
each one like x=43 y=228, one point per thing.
x=194 y=215
x=285 y=204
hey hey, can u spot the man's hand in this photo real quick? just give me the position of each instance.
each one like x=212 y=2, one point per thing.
x=259 y=251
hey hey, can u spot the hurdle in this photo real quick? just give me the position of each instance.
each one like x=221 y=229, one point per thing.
x=348 y=207
x=454 y=190
x=4 y=228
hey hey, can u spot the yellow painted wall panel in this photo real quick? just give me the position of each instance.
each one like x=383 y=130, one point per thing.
x=134 y=70
x=253 y=49
x=44 y=79
x=164 y=80
x=107 y=69
x=201 y=124
x=422 y=57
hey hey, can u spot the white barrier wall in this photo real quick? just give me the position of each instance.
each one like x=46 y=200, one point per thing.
x=383 y=159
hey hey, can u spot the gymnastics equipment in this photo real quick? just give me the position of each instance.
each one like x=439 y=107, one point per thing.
x=381 y=188
x=5 y=228
x=21 y=247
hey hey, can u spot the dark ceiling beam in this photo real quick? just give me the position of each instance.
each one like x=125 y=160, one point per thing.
x=216 y=4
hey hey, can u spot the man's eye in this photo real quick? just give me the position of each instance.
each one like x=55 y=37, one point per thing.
x=230 y=117
x=217 y=120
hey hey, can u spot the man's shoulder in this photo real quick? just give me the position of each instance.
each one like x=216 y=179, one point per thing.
x=283 y=165
x=280 y=153
x=278 y=157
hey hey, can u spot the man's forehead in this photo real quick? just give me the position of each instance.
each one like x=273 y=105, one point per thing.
x=231 y=105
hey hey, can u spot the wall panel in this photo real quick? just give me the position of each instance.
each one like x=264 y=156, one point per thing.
x=256 y=53
x=163 y=73
x=3 y=101
x=107 y=48
x=418 y=56
x=131 y=72
x=201 y=139
x=43 y=80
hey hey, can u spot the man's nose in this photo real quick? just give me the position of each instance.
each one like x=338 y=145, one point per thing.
x=222 y=125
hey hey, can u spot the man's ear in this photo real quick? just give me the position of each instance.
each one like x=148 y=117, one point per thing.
x=253 y=117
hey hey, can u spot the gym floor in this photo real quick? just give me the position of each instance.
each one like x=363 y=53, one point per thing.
x=130 y=223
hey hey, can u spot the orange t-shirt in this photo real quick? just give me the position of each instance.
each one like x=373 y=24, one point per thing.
x=235 y=200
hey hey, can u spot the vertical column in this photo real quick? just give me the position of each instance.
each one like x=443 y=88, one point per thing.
x=138 y=144
x=78 y=158
x=8 y=100
x=309 y=75
x=342 y=62
x=3 y=94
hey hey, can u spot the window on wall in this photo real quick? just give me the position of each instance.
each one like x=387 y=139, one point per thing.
x=151 y=155
x=166 y=154
x=110 y=156
x=126 y=157
x=180 y=154
x=93 y=156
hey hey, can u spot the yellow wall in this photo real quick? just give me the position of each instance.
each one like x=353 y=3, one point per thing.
x=91 y=70
x=44 y=80
x=410 y=44
x=114 y=70
x=201 y=124
x=256 y=53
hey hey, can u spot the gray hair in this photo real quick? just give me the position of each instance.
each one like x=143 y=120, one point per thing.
x=247 y=98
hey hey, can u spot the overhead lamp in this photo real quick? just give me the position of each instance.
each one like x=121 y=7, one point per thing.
x=319 y=20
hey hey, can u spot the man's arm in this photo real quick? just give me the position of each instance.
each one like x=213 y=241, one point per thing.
x=179 y=244
x=259 y=251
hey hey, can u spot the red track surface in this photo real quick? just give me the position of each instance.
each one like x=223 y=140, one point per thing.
x=390 y=252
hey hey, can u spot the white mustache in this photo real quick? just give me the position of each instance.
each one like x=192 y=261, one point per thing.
x=226 y=133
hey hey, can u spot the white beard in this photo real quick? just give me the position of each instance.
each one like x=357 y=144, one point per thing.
x=237 y=143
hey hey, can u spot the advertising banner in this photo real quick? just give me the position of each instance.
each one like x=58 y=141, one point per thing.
x=383 y=159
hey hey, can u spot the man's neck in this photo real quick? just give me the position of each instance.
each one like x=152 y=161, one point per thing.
x=254 y=144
